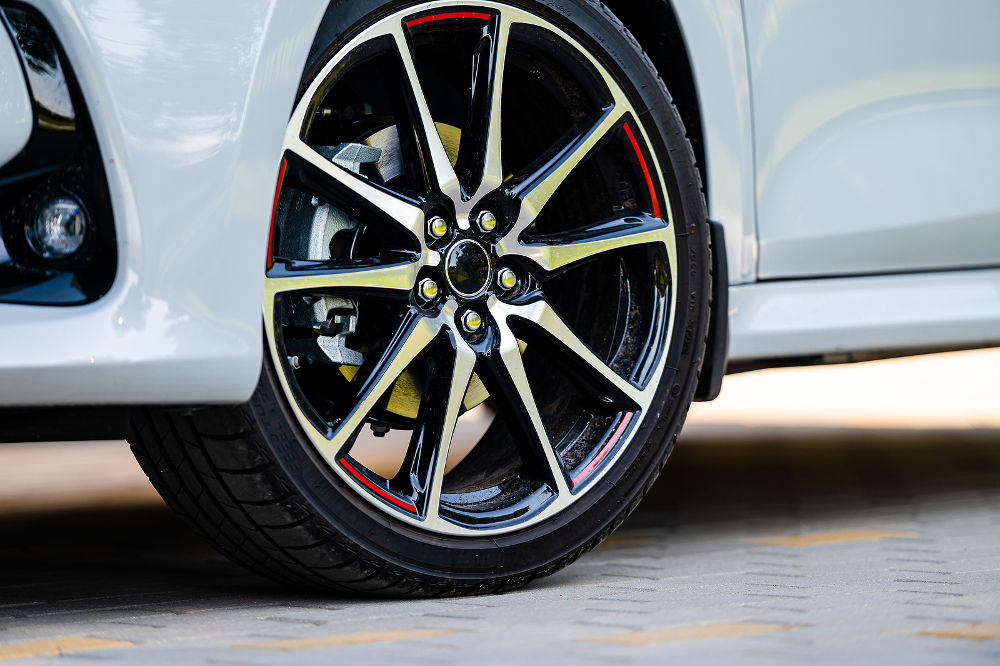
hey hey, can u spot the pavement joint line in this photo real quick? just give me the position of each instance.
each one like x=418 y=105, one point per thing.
x=775 y=553
x=616 y=542
x=781 y=585
x=780 y=609
x=831 y=537
x=932 y=618
x=988 y=631
x=54 y=647
x=595 y=623
x=778 y=596
x=621 y=588
x=911 y=602
x=341 y=640
x=632 y=565
x=697 y=632
x=631 y=576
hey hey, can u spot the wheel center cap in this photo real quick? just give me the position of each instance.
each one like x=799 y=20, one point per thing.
x=467 y=267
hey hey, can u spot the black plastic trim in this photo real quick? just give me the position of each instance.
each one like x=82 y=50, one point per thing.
x=54 y=424
x=61 y=158
x=717 y=349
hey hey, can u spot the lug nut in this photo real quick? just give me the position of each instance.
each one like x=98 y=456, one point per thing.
x=428 y=290
x=437 y=227
x=507 y=279
x=471 y=321
x=486 y=221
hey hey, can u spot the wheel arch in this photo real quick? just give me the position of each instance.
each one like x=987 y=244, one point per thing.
x=655 y=26
x=700 y=51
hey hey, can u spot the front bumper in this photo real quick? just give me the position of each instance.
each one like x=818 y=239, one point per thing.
x=189 y=103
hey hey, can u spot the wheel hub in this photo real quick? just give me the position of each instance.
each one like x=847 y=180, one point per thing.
x=467 y=268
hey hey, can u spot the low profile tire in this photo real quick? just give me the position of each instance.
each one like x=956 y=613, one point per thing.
x=485 y=306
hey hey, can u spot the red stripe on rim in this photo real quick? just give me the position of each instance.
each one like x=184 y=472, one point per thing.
x=645 y=170
x=274 y=211
x=605 y=449
x=450 y=15
x=378 y=491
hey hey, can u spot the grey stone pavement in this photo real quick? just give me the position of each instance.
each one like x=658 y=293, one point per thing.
x=756 y=546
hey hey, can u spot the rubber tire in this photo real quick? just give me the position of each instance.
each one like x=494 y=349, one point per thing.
x=246 y=477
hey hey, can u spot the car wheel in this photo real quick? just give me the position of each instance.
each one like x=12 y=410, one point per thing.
x=485 y=303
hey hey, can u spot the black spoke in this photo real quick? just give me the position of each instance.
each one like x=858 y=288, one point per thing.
x=421 y=473
x=394 y=277
x=359 y=196
x=435 y=157
x=479 y=159
x=557 y=252
x=534 y=190
x=379 y=372
x=542 y=324
x=505 y=378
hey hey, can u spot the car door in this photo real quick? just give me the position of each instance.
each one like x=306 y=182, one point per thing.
x=877 y=135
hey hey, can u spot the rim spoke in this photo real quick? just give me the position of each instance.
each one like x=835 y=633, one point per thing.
x=405 y=213
x=413 y=336
x=441 y=426
x=480 y=158
x=541 y=314
x=560 y=251
x=393 y=277
x=508 y=384
x=443 y=172
x=539 y=187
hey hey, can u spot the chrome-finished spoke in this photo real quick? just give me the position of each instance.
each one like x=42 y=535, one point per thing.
x=461 y=374
x=443 y=172
x=391 y=277
x=556 y=253
x=405 y=213
x=413 y=336
x=536 y=191
x=541 y=314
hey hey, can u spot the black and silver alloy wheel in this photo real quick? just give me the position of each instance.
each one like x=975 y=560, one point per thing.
x=484 y=308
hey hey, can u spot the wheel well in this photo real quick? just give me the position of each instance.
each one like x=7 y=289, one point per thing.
x=655 y=25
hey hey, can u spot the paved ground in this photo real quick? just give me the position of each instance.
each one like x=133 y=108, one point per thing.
x=765 y=544
x=781 y=546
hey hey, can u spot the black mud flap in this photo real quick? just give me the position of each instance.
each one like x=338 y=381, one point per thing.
x=717 y=349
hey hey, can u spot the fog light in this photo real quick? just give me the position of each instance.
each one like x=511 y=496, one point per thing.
x=59 y=228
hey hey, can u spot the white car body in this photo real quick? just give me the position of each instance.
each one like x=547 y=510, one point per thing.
x=852 y=152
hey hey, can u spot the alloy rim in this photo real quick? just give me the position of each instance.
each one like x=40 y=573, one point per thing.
x=352 y=332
